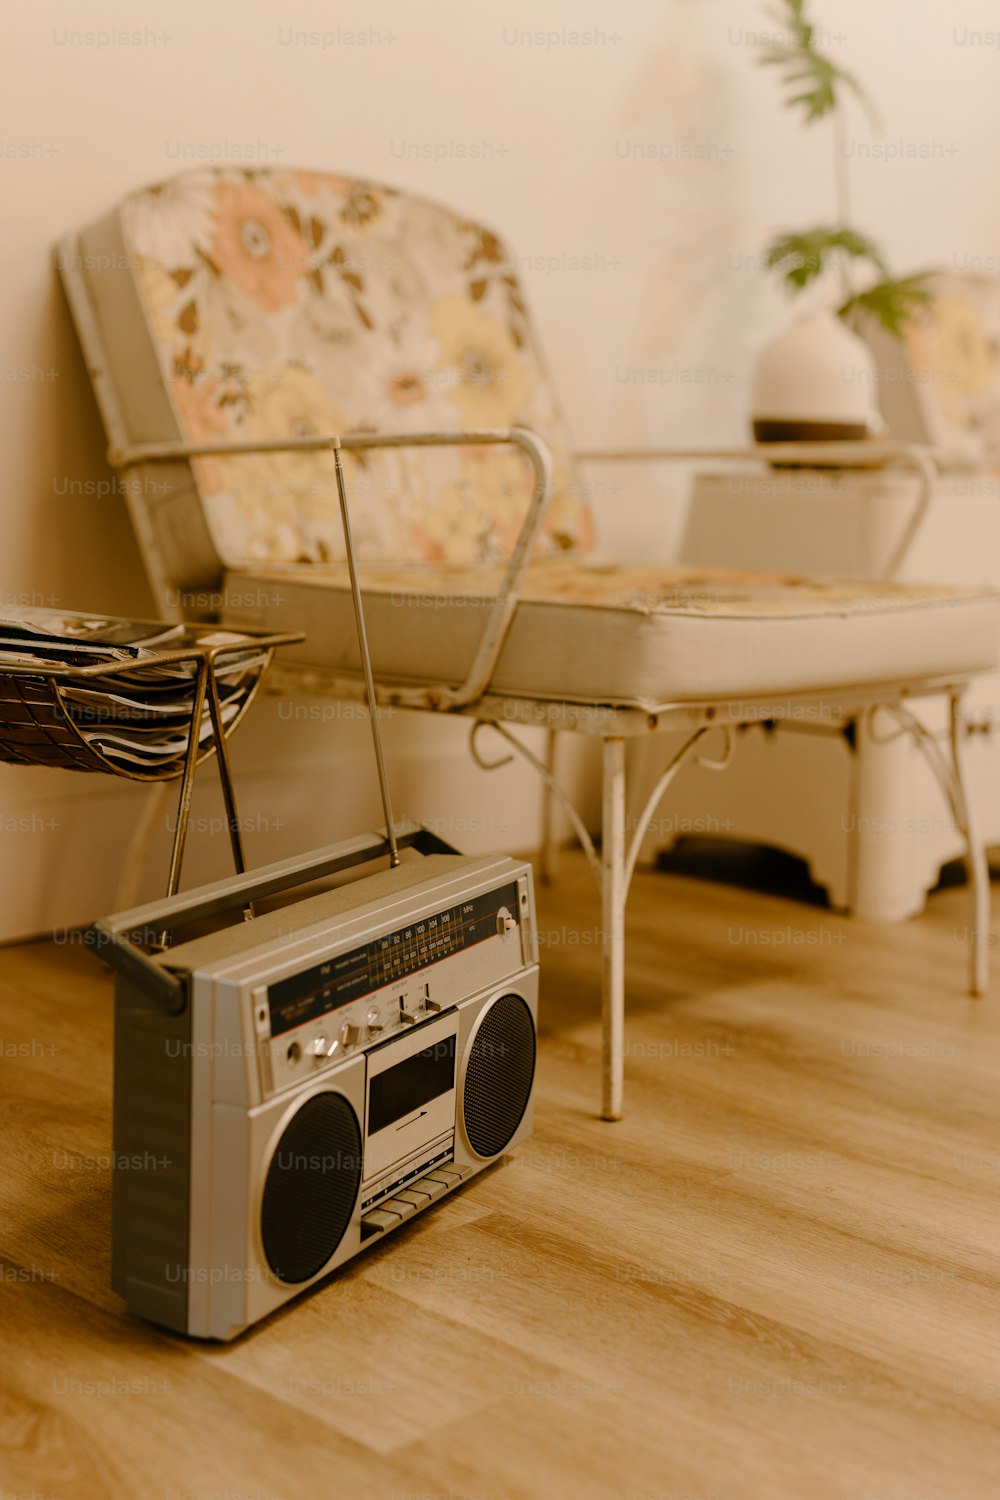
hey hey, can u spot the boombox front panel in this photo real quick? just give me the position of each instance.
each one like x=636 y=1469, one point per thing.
x=250 y=1290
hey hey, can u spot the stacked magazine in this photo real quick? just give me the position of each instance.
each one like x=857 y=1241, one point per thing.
x=137 y=714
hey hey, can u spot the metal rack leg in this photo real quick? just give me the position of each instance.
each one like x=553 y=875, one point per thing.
x=225 y=773
x=613 y=892
x=187 y=780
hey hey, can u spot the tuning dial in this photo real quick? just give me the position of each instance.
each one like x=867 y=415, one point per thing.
x=348 y=1034
x=505 y=923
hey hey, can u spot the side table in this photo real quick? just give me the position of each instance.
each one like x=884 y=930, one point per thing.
x=877 y=838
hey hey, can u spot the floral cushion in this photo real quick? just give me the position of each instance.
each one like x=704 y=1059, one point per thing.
x=285 y=303
x=638 y=589
x=953 y=354
x=587 y=632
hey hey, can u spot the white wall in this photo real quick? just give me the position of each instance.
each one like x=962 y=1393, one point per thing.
x=672 y=285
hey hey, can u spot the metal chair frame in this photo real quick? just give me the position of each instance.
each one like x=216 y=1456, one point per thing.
x=615 y=860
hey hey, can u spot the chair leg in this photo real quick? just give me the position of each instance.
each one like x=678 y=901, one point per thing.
x=975 y=856
x=613 y=889
x=547 y=853
x=950 y=774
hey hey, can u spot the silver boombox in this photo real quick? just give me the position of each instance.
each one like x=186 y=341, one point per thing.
x=291 y=1089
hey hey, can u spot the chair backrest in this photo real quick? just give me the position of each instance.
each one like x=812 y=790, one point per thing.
x=230 y=305
x=940 y=382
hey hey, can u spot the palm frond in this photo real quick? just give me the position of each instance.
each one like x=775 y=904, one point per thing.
x=800 y=258
x=802 y=63
x=892 y=302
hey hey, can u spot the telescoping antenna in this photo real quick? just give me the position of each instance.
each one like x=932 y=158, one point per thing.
x=366 y=661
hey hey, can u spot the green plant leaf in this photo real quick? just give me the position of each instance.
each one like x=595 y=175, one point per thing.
x=804 y=64
x=892 y=302
x=800 y=258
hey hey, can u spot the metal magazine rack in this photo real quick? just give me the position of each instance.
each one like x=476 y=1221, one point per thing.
x=90 y=695
x=59 y=707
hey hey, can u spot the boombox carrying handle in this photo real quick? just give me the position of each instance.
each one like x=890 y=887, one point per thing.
x=121 y=940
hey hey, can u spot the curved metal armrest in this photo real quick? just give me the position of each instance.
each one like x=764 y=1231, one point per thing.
x=870 y=453
x=502 y=610
x=501 y=613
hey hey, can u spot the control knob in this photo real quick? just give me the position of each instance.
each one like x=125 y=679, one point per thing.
x=321 y=1047
x=506 y=924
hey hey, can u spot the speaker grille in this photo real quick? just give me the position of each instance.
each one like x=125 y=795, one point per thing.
x=311 y=1187
x=498 y=1075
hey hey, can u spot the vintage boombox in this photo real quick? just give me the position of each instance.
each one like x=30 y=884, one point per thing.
x=289 y=1090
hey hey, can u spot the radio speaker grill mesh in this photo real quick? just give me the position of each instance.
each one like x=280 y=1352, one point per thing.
x=311 y=1187
x=499 y=1075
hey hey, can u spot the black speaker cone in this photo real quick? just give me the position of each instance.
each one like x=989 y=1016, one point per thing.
x=311 y=1187
x=498 y=1075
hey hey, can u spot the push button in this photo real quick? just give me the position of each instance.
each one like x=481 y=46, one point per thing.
x=436 y=1187
x=399 y=1205
x=380 y=1219
x=451 y=1175
x=415 y=1195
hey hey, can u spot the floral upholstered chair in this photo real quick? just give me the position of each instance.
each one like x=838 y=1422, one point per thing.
x=236 y=321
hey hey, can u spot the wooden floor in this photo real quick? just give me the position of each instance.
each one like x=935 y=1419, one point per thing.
x=778 y=1276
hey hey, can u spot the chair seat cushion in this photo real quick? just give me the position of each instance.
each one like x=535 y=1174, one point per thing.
x=632 y=636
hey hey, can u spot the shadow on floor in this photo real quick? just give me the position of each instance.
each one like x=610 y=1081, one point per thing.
x=772 y=872
x=750 y=867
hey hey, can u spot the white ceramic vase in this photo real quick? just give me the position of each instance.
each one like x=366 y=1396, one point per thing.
x=816 y=382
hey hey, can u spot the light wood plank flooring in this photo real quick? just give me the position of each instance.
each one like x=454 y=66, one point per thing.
x=779 y=1276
